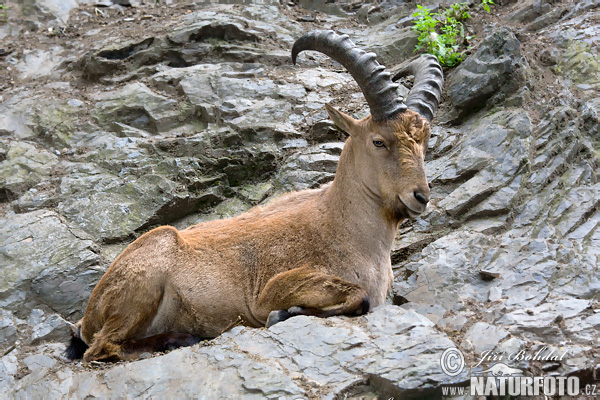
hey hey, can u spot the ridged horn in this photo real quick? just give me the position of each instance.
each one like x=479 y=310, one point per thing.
x=427 y=87
x=376 y=85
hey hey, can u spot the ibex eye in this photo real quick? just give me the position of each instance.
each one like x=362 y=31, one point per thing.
x=378 y=143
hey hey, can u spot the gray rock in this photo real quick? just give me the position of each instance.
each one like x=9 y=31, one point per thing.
x=39 y=63
x=47 y=327
x=324 y=131
x=433 y=312
x=484 y=336
x=145 y=181
x=320 y=7
x=24 y=166
x=216 y=98
x=227 y=209
x=310 y=168
x=556 y=163
x=317 y=79
x=138 y=106
x=495 y=294
x=114 y=208
x=499 y=202
x=75 y=103
x=38 y=245
x=510 y=346
x=590 y=115
x=127 y=3
x=219 y=28
x=303 y=356
x=9 y=333
x=39 y=118
x=57 y=10
x=205 y=35
x=470 y=192
x=15 y=113
x=496 y=69
x=120 y=57
x=452 y=323
x=256 y=192
x=489 y=156
x=8 y=369
x=267 y=113
x=541 y=303
x=467 y=162
x=528 y=10
x=546 y=19
x=578 y=60
x=169 y=80
x=39 y=361
x=392 y=44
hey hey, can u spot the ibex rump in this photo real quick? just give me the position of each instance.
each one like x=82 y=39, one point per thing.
x=316 y=252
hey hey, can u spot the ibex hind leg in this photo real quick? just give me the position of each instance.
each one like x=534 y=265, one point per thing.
x=131 y=349
x=128 y=299
x=128 y=317
x=306 y=291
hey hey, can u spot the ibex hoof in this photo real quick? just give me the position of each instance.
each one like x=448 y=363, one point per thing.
x=277 y=316
x=364 y=307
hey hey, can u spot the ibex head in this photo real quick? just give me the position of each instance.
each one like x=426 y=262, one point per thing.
x=388 y=147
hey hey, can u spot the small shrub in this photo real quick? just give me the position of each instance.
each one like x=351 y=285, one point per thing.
x=443 y=34
x=486 y=4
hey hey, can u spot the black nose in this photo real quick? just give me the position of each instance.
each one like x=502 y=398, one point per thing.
x=421 y=198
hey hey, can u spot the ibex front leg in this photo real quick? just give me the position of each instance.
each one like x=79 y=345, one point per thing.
x=306 y=291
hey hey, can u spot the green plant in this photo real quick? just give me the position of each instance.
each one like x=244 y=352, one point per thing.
x=425 y=26
x=458 y=11
x=443 y=33
x=3 y=12
x=486 y=4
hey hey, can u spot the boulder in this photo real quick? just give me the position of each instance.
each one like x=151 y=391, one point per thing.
x=24 y=166
x=138 y=106
x=37 y=253
x=493 y=73
x=390 y=350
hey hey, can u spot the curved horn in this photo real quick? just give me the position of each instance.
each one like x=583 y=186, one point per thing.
x=427 y=88
x=376 y=85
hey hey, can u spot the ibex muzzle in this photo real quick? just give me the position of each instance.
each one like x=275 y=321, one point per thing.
x=316 y=252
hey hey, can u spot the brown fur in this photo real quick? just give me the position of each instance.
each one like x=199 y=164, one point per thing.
x=325 y=250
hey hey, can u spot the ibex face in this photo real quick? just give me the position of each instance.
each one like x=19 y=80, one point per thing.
x=389 y=145
x=389 y=160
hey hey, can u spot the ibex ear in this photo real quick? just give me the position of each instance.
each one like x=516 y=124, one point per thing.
x=342 y=121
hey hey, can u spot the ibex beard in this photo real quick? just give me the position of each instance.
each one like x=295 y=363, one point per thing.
x=319 y=252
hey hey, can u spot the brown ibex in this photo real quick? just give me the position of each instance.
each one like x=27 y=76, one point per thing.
x=316 y=252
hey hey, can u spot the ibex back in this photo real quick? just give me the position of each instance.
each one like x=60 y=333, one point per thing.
x=317 y=252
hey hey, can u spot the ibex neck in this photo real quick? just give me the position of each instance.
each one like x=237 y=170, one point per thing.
x=357 y=210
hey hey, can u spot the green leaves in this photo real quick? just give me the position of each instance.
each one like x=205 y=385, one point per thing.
x=3 y=12
x=443 y=34
x=486 y=4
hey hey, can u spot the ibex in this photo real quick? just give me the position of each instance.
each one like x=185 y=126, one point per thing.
x=319 y=252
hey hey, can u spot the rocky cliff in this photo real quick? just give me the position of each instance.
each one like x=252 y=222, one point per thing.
x=115 y=118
